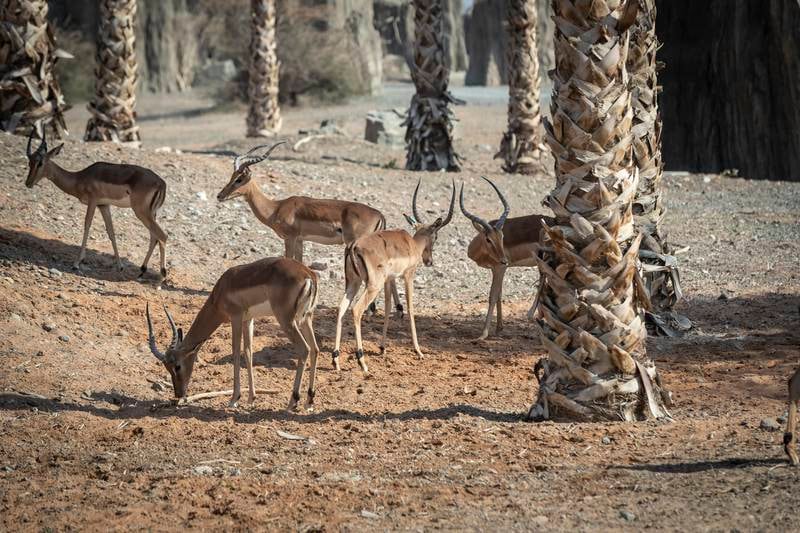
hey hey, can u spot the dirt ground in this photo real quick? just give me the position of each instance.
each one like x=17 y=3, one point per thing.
x=89 y=441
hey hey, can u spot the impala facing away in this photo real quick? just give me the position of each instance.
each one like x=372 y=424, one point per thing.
x=500 y=244
x=299 y=218
x=375 y=261
x=102 y=185
x=274 y=286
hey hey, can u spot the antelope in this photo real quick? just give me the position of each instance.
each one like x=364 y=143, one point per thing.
x=500 y=244
x=789 y=441
x=376 y=260
x=274 y=286
x=101 y=185
x=299 y=218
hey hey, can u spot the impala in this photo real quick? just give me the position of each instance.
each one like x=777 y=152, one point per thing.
x=275 y=286
x=375 y=261
x=789 y=441
x=299 y=218
x=500 y=244
x=101 y=185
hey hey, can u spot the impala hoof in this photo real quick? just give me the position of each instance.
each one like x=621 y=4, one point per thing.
x=142 y=272
x=335 y=356
x=361 y=361
x=399 y=310
x=382 y=349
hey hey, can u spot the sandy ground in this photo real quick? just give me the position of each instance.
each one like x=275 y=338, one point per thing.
x=88 y=441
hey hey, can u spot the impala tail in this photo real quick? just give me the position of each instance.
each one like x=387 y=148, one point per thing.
x=307 y=300
x=355 y=268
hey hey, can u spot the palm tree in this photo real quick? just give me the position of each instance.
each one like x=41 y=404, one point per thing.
x=264 y=117
x=30 y=96
x=661 y=274
x=113 y=106
x=520 y=145
x=591 y=297
x=429 y=133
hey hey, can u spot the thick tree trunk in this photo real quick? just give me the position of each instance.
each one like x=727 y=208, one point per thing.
x=30 y=96
x=429 y=133
x=264 y=117
x=731 y=86
x=519 y=148
x=113 y=106
x=591 y=296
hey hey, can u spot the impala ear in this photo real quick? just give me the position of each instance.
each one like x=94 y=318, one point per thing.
x=478 y=227
x=180 y=334
x=412 y=222
x=55 y=151
x=438 y=223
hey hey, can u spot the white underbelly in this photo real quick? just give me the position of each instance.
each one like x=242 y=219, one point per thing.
x=118 y=202
x=259 y=310
x=324 y=239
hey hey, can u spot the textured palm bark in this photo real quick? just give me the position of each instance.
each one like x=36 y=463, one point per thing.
x=660 y=269
x=591 y=297
x=519 y=148
x=429 y=125
x=264 y=116
x=113 y=107
x=30 y=96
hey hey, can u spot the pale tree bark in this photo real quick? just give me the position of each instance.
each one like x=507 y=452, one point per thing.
x=429 y=133
x=589 y=305
x=30 y=96
x=660 y=268
x=519 y=148
x=113 y=107
x=264 y=117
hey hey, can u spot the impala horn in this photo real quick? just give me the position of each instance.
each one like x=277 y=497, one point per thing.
x=449 y=216
x=506 y=208
x=246 y=160
x=30 y=140
x=151 y=338
x=474 y=218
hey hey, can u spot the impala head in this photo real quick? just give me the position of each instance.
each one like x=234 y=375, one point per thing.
x=38 y=159
x=178 y=359
x=429 y=231
x=492 y=234
x=241 y=172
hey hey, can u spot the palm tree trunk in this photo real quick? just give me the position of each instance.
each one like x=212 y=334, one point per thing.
x=113 y=107
x=429 y=133
x=661 y=275
x=30 y=96
x=591 y=295
x=264 y=117
x=520 y=145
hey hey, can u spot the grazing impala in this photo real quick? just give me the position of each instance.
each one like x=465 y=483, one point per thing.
x=500 y=244
x=375 y=261
x=275 y=286
x=100 y=186
x=299 y=218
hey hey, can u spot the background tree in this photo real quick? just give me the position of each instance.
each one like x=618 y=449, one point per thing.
x=30 y=96
x=113 y=106
x=264 y=117
x=591 y=296
x=429 y=133
x=520 y=145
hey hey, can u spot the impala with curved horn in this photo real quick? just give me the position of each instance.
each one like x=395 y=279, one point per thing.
x=375 y=261
x=101 y=185
x=275 y=286
x=299 y=218
x=500 y=244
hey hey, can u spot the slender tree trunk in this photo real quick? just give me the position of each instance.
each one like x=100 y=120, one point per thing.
x=661 y=275
x=113 y=107
x=264 y=118
x=591 y=296
x=520 y=145
x=429 y=133
x=30 y=96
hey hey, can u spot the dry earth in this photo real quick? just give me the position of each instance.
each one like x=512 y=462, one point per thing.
x=88 y=441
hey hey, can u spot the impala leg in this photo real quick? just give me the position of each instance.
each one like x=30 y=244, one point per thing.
x=87 y=225
x=347 y=299
x=398 y=306
x=307 y=329
x=387 y=305
x=408 y=277
x=303 y=346
x=298 y=250
x=248 y=359
x=236 y=329
x=157 y=236
x=497 y=277
x=153 y=242
x=499 y=300
x=789 y=438
x=358 y=312
x=106 y=212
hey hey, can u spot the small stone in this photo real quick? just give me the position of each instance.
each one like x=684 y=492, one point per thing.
x=318 y=265
x=63 y=338
x=202 y=196
x=40 y=353
x=540 y=520
x=233 y=471
x=770 y=424
x=369 y=514
x=55 y=273
x=203 y=470
x=15 y=317
x=48 y=326
x=783 y=417
x=606 y=440
x=627 y=515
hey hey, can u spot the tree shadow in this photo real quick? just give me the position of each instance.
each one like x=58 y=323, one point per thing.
x=701 y=466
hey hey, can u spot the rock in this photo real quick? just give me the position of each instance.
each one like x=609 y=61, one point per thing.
x=215 y=72
x=384 y=127
x=627 y=515
x=783 y=417
x=203 y=470
x=15 y=317
x=48 y=326
x=55 y=273
x=202 y=196
x=330 y=126
x=318 y=265
x=40 y=353
x=540 y=520
x=163 y=150
x=369 y=514
x=606 y=440
x=233 y=471
x=63 y=338
x=770 y=424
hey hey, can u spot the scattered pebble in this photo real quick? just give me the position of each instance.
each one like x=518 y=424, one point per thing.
x=48 y=326
x=318 y=265
x=15 y=317
x=770 y=424
x=627 y=515
x=369 y=514
x=40 y=353
x=606 y=440
x=202 y=196
x=203 y=470
x=63 y=338
x=55 y=273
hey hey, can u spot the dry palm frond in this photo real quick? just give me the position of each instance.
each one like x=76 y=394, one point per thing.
x=264 y=116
